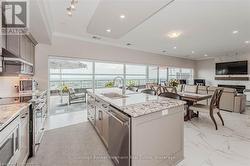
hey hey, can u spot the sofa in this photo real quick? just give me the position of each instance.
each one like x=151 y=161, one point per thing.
x=230 y=100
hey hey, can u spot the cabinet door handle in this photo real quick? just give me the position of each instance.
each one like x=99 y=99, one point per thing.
x=100 y=115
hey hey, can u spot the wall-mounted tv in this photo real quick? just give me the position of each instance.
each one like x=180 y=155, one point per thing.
x=232 y=68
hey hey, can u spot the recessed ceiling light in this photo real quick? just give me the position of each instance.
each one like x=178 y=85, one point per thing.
x=174 y=34
x=108 y=30
x=247 y=42
x=235 y=32
x=122 y=16
x=192 y=52
x=174 y=47
x=205 y=55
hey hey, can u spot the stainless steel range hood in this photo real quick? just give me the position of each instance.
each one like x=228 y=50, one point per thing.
x=13 y=65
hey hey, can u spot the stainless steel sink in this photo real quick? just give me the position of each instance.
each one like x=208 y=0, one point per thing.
x=114 y=95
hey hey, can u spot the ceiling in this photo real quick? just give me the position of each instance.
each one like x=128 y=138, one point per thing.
x=206 y=26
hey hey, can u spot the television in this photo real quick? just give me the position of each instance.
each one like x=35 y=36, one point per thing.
x=232 y=68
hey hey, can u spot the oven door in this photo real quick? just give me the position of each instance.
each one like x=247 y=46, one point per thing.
x=7 y=150
x=10 y=143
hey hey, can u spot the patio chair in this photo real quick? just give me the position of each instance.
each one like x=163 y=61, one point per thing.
x=79 y=96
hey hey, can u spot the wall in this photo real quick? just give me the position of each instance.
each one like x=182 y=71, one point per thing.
x=66 y=47
x=7 y=86
x=205 y=69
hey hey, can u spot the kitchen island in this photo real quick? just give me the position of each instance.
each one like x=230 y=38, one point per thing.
x=137 y=129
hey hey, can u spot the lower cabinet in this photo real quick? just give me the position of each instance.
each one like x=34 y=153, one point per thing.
x=101 y=117
x=24 y=137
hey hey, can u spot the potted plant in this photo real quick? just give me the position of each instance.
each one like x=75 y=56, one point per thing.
x=109 y=84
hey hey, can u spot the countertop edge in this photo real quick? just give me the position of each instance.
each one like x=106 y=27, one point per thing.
x=15 y=115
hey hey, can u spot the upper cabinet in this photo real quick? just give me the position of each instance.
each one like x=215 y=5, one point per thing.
x=13 y=44
x=27 y=49
x=21 y=49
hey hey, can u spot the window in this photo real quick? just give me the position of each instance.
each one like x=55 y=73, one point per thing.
x=187 y=74
x=174 y=73
x=181 y=73
x=153 y=74
x=106 y=72
x=80 y=74
x=136 y=75
x=163 y=75
x=70 y=73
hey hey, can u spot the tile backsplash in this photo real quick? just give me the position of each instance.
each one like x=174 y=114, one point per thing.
x=7 y=86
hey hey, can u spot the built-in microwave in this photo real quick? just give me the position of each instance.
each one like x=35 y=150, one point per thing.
x=10 y=143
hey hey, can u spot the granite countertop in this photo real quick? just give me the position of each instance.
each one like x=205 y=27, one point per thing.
x=9 y=112
x=137 y=104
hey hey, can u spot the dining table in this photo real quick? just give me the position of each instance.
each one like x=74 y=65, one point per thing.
x=191 y=99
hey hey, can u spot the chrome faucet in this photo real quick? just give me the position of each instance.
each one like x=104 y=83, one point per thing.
x=121 y=81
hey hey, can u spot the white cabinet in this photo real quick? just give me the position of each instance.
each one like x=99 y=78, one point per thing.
x=24 y=136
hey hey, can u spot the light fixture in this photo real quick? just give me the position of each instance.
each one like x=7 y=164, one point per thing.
x=71 y=7
x=192 y=52
x=69 y=11
x=205 y=55
x=108 y=30
x=235 y=32
x=174 y=34
x=175 y=48
x=247 y=42
x=122 y=16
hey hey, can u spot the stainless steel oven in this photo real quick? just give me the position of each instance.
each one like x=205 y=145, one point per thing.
x=9 y=143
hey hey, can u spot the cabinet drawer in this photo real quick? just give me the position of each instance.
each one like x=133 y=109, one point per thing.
x=101 y=104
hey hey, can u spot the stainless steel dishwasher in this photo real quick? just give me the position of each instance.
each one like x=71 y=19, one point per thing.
x=119 y=137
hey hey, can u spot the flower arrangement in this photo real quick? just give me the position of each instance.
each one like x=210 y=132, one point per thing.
x=173 y=83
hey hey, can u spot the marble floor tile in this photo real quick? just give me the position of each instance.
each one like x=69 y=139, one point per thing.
x=227 y=146
x=203 y=145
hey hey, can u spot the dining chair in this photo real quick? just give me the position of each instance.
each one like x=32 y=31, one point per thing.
x=170 y=95
x=204 y=91
x=169 y=89
x=157 y=88
x=149 y=85
x=190 y=88
x=179 y=88
x=132 y=88
x=148 y=91
x=212 y=107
